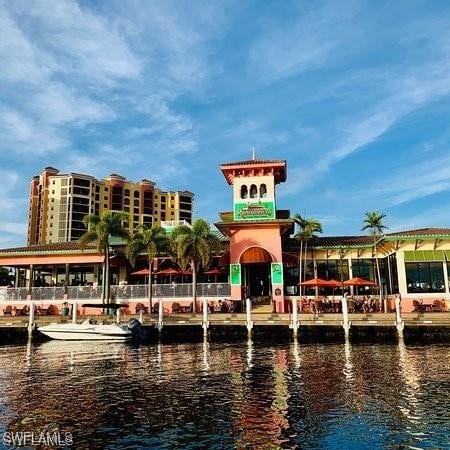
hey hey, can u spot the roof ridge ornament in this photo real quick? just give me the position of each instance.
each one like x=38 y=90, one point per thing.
x=253 y=154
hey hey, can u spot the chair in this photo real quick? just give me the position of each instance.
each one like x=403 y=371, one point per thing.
x=351 y=306
x=52 y=310
x=24 y=311
x=418 y=307
x=141 y=307
x=437 y=306
x=7 y=311
x=176 y=308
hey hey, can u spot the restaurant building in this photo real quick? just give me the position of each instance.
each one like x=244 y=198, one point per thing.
x=260 y=258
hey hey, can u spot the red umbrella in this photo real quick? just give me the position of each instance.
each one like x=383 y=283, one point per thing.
x=359 y=282
x=215 y=271
x=169 y=271
x=141 y=273
x=318 y=282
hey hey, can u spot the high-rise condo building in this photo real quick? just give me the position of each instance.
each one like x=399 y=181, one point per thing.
x=58 y=202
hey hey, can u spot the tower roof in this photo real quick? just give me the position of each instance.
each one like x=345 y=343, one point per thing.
x=255 y=167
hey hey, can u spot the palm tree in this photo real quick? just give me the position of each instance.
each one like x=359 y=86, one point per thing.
x=307 y=228
x=193 y=247
x=99 y=231
x=300 y=222
x=152 y=240
x=373 y=221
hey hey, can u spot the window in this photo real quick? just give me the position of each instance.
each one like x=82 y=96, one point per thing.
x=244 y=191
x=253 y=191
x=425 y=277
x=263 y=191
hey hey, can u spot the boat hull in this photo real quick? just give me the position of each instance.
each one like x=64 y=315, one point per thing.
x=80 y=332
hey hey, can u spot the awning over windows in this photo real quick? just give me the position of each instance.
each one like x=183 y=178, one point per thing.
x=427 y=255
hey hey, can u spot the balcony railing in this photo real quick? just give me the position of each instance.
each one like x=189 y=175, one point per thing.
x=126 y=292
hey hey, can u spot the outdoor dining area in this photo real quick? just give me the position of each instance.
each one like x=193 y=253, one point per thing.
x=357 y=303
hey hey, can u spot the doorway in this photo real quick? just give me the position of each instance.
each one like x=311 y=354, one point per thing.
x=258 y=281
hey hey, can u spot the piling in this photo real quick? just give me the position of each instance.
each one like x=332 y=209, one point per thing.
x=399 y=323
x=294 y=317
x=248 y=311
x=205 y=323
x=74 y=312
x=345 y=321
x=31 y=319
x=160 y=315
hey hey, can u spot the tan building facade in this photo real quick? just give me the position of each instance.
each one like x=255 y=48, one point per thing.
x=58 y=202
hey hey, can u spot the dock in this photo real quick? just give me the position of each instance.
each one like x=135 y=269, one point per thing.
x=413 y=324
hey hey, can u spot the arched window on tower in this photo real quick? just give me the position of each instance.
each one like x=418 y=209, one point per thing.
x=244 y=191
x=263 y=191
x=253 y=191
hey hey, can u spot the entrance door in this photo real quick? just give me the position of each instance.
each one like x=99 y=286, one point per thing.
x=258 y=280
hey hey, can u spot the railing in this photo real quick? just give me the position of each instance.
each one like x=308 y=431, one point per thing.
x=128 y=292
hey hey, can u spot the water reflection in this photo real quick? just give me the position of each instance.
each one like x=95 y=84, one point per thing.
x=348 y=366
x=229 y=395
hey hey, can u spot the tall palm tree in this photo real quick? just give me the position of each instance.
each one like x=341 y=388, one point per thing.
x=100 y=229
x=373 y=221
x=300 y=223
x=307 y=229
x=153 y=241
x=194 y=247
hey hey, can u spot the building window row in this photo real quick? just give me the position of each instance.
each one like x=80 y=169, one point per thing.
x=254 y=192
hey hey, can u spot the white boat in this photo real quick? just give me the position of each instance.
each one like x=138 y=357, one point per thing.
x=87 y=330
x=90 y=329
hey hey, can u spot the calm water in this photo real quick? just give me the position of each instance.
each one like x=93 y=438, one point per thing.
x=216 y=395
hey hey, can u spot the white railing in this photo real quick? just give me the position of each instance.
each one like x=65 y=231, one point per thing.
x=128 y=292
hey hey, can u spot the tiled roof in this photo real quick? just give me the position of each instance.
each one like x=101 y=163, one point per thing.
x=254 y=162
x=422 y=232
x=56 y=247
x=331 y=242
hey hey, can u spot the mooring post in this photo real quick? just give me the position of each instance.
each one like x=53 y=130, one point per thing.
x=205 y=323
x=345 y=321
x=248 y=311
x=74 y=311
x=400 y=325
x=294 y=317
x=31 y=319
x=160 y=315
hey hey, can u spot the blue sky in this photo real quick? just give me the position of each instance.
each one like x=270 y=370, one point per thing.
x=353 y=94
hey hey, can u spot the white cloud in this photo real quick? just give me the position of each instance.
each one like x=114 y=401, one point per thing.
x=60 y=104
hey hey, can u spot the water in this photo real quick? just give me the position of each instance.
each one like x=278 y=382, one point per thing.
x=240 y=395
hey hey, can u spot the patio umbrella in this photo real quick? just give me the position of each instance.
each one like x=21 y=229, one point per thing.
x=216 y=272
x=318 y=282
x=140 y=273
x=356 y=281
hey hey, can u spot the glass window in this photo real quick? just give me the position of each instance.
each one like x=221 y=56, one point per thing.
x=253 y=191
x=244 y=191
x=263 y=191
x=424 y=277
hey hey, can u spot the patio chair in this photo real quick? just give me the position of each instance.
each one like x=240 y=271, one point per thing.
x=437 y=306
x=141 y=307
x=52 y=310
x=418 y=307
x=24 y=311
x=7 y=311
x=176 y=308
